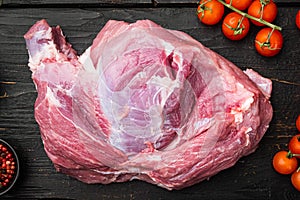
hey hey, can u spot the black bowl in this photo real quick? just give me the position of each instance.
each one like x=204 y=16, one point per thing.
x=3 y=172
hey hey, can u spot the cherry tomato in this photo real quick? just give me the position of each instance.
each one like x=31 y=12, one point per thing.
x=298 y=19
x=235 y=26
x=295 y=178
x=239 y=4
x=284 y=163
x=263 y=9
x=294 y=145
x=210 y=12
x=268 y=42
x=298 y=122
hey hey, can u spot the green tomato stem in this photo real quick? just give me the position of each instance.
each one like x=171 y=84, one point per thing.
x=290 y=154
x=250 y=17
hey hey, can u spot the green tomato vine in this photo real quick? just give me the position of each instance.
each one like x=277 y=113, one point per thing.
x=273 y=26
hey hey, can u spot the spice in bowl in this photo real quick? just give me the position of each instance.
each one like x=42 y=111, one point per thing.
x=9 y=167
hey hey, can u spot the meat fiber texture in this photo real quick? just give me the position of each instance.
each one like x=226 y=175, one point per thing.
x=143 y=102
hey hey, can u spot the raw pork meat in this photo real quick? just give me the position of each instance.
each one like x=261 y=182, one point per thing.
x=143 y=102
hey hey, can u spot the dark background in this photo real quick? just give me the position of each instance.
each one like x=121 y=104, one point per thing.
x=251 y=178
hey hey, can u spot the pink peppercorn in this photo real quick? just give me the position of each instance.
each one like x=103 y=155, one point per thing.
x=7 y=167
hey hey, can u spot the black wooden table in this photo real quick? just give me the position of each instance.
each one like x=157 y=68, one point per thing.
x=251 y=178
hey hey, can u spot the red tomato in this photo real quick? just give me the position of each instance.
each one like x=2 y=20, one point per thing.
x=263 y=9
x=210 y=12
x=235 y=26
x=298 y=122
x=298 y=19
x=283 y=163
x=295 y=178
x=239 y=4
x=268 y=42
x=294 y=145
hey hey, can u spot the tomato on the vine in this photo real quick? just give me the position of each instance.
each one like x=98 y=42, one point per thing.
x=298 y=19
x=298 y=123
x=210 y=12
x=284 y=163
x=263 y=9
x=294 y=145
x=295 y=178
x=235 y=26
x=239 y=4
x=268 y=42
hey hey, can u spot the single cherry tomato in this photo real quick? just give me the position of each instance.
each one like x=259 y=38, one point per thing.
x=284 y=163
x=210 y=12
x=268 y=42
x=298 y=122
x=263 y=9
x=295 y=178
x=298 y=19
x=294 y=145
x=235 y=26
x=239 y=4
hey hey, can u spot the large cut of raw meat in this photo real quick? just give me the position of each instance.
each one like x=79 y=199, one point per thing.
x=143 y=102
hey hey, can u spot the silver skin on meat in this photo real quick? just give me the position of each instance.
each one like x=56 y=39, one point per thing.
x=143 y=102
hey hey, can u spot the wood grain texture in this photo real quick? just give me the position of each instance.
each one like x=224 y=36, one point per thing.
x=251 y=178
x=123 y=3
x=178 y=2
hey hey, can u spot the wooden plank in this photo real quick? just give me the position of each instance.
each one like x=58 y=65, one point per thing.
x=15 y=3
x=123 y=3
x=166 y=2
x=251 y=178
